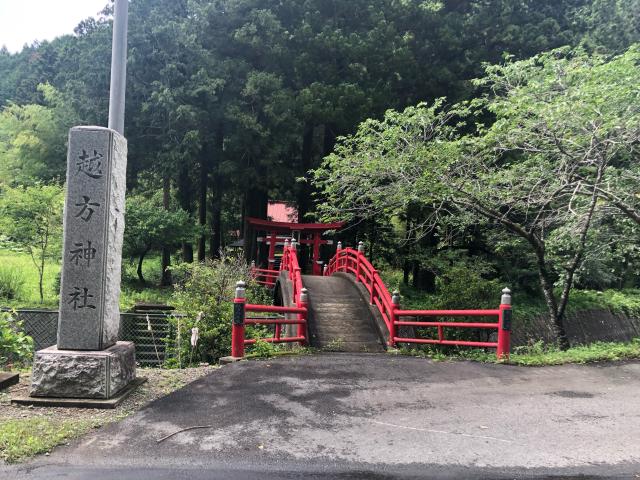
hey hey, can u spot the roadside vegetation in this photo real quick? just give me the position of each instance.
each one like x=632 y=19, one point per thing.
x=24 y=438
x=538 y=354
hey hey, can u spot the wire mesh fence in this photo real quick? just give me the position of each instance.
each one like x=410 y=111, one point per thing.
x=149 y=331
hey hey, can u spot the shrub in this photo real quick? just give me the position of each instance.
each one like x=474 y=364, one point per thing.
x=263 y=349
x=15 y=345
x=209 y=288
x=11 y=283
x=463 y=287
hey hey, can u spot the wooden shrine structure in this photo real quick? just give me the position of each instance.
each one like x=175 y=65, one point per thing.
x=276 y=232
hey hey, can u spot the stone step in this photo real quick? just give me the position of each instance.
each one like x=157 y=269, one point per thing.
x=351 y=310
x=350 y=346
x=340 y=319
x=343 y=326
x=364 y=339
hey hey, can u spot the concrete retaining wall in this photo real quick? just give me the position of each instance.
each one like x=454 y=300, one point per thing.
x=583 y=327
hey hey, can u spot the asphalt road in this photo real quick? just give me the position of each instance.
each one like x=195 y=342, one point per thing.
x=353 y=416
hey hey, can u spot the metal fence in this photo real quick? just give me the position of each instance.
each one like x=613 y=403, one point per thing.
x=151 y=332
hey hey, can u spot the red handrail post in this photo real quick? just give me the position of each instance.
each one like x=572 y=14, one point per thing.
x=395 y=305
x=277 y=331
x=504 y=329
x=272 y=257
x=293 y=253
x=285 y=256
x=297 y=283
x=373 y=286
x=237 y=329
x=303 y=303
x=359 y=257
x=338 y=256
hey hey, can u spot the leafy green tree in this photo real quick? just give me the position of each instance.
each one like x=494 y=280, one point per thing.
x=31 y=217
x=150 y=227
x=566 y=123
x=33 y=139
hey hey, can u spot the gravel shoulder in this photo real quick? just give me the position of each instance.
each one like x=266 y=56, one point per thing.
x=159 y=384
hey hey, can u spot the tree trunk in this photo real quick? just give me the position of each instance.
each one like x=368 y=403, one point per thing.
x=40 y=282
x=406 y=270
x=571 y=268
x=216 y=205
x=415 y=272
x=546 y=282
x=256 y=201
x=427 y=280
x=185 y=197
x=202 y=201
x=550 y=297
x=139 y=270
x=165 y=280
x=187 y=252
x=329 y=140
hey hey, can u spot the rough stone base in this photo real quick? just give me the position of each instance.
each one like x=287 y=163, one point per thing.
x=83 y=374
x=102 y=403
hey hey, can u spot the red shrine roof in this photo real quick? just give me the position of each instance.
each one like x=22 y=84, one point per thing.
x=282 y=212
x=290 y=227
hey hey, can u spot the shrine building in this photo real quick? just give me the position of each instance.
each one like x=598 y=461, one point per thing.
x=282 y=224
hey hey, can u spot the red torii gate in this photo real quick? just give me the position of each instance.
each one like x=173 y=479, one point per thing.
x=313 y=232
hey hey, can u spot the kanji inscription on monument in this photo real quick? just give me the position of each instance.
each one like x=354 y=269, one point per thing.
x=93 y=229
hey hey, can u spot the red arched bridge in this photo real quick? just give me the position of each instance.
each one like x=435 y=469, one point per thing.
x=348 y=308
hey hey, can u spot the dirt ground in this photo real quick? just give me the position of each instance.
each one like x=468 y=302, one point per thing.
x=159 y=383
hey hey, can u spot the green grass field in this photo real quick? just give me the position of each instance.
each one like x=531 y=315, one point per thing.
x=28 y=296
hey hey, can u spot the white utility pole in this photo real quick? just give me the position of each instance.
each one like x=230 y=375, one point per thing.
x=118 y=66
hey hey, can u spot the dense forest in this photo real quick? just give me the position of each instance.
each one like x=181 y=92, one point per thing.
x=231 y=103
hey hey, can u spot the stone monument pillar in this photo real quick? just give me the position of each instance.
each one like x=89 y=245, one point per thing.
x=88 y=361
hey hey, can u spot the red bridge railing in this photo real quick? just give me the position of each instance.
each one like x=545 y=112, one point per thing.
x=250 y=314
x=264 y=276
x=353 y=261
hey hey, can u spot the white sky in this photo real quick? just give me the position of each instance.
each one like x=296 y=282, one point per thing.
x=24 y=21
